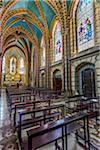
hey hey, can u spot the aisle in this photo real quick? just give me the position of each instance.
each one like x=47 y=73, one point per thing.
x=7 y=138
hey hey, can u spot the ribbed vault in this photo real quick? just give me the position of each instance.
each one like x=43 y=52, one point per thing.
x=33 y=17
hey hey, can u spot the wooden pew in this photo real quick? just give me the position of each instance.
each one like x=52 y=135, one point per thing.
x=53 y=132
x=27 y=98
x=13 y=97
x=22 y=98
x=46 y=115
x=31 y=104
x=81 y=104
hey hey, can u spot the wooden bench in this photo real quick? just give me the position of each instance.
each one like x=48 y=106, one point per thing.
x=21 y=97
x=42 y=118
x=19 y=100
x=52 y=132
x=39 y=119
x=31 y=104
x=81 y=104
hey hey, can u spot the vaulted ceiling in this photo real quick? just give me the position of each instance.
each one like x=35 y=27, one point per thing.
x=25 y=21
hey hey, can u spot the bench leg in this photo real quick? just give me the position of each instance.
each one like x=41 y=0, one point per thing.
x=88 y=134
x=56 y=145
x=66 y=137
x=96 y=117
x=62 y=138
x=29 y=143
x=76 y=135
x=84 y=133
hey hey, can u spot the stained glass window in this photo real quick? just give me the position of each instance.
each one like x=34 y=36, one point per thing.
x=4 y=65
x=22 y=69
x=85 y=25
x=43 y=51
x=13 y=65
x=57 y=42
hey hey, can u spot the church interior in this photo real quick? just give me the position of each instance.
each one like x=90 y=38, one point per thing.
x=49 y=74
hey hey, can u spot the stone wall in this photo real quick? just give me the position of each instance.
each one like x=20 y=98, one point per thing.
x=92 y=58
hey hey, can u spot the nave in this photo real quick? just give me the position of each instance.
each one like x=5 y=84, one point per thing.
x=46 y=113
x=50 y=74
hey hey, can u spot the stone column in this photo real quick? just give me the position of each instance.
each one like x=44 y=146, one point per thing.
x=47 y=62
x=36 y=67
x=73 y=78
x=29 y=69
x=1 y=47
x=97 y=67
x=32 y=63
x=66 y=59
x=0 y=71
x=51 y=62
x=63 y=62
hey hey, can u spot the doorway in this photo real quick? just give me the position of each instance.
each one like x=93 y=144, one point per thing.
x=88 y=82
x=43 y=80
x=57 y=80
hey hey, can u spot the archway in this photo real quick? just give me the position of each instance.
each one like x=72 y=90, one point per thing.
x=43 y=79
x=57 y=80
x=14 y=68
x=85 y=79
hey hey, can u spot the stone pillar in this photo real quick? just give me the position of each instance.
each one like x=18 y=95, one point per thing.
x=73 y=78
x=29 y=68
x=36 y=67
x=0 y=71
x=97 y=67
x=32 y=63
x=51 y=61
x=47 y=62
x=0 y=59
x=1 y=8
x=66 y=59
x=63 y=62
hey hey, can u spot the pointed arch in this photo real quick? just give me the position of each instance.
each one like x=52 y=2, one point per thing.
x=57 y=41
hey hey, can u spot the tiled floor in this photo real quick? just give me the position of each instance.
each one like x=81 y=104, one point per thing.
x=8 y=140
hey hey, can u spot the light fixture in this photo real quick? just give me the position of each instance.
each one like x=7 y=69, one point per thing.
x=23 y=20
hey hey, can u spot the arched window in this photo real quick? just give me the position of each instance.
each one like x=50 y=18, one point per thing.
x=43 y=52
x=85 y=25
x=13 y=65
x=57 y=42
x=4 y=65
x=22 y=69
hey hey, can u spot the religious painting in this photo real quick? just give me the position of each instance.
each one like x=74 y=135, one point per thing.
x=58 y=42
x=85 y=25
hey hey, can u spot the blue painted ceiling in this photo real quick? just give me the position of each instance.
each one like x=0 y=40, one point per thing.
x=30 y=5
x=68 y=2
x=48 y=12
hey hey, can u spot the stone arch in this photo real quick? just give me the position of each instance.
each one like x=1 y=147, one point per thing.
x=43 y=83
x=42 y=79
x=10 y=78
x=57 y=80
x=85 y=79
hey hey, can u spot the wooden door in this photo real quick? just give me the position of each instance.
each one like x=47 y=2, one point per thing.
x=88 y=82
x=57 y=84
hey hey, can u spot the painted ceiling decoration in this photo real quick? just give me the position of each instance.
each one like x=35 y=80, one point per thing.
x=24 y=22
